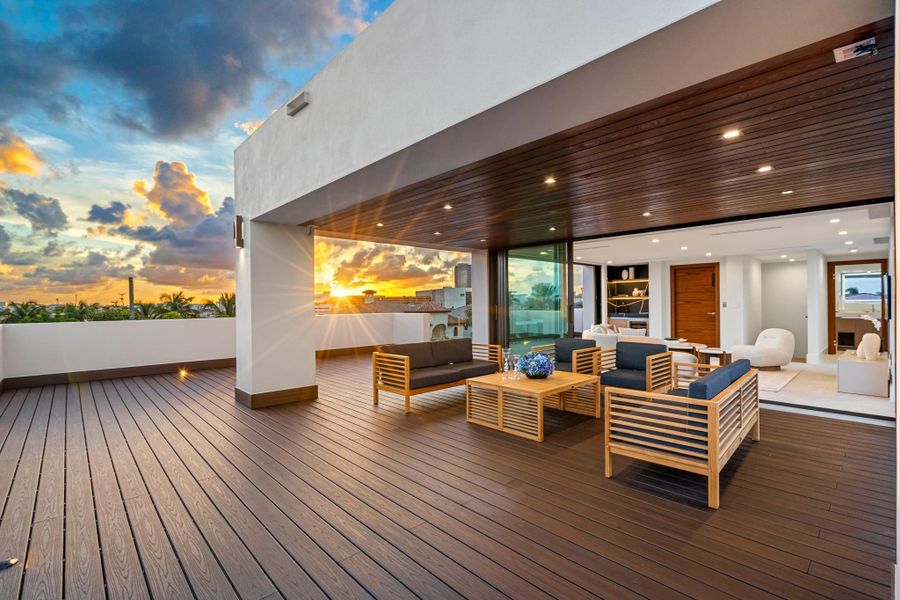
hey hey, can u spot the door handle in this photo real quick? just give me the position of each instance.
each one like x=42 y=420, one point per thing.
x=712 y=314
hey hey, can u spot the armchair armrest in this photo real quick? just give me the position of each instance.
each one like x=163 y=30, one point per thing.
x=491 y=352
x=584 y=361
x=685 y=373
x=390 y=370
x=659 y=371
x=549 y=349
x=605 y=359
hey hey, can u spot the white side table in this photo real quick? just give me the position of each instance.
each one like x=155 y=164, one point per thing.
x=857 y=375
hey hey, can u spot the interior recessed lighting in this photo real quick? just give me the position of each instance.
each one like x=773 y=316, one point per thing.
x=577 y=258
x=655 y=240
x=684 y=247
x=379 y=224
x=764 y=169
x=437 y=233
x=609 y=262
x=792 y=260
x=709 y=253
x=834 y=220
x=447 y=207
x=550 y=180
x=482 y=240
x=646 y=214
x=553 y=229
x=787 y=192
x=852 y=250
x=844 y=232
x=784 y=256
x=731 y=134
x=849 y=242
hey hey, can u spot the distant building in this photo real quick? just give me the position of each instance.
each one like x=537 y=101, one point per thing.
x=451 y=297
x=462 y=275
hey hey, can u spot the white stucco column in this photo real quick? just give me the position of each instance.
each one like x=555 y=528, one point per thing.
x=816 y=306
x=481 y=314
x=589 y=298
x=275 y=282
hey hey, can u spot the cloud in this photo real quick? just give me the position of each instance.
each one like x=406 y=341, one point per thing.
x=248 y=127
x=94 y=268
x=189 y=62
x=44 y=213
x=33 y=74
x=27 y=258
x=108 y=215
x=175 y=195
x=16 y=156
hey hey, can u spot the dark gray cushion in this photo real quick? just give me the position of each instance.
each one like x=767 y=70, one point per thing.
x=563 y=366
x=565 y=347
x=420 y=355
x=633 y=355
x=474 y=368
x=452 y=351
x=631 y=379
x=429 y=376
x=714 y=383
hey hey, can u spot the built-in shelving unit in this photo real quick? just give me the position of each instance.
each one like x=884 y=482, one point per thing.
x=628 y=294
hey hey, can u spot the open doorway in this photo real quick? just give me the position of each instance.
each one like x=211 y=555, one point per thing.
x=857 y=302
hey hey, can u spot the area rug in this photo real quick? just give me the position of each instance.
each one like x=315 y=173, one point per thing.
x=774 y=381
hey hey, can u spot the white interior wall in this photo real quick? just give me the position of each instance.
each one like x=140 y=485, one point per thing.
x=817 y=306
x=589 y=298
x=784 y=300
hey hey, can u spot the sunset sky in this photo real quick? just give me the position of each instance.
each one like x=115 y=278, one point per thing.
x=118 y=122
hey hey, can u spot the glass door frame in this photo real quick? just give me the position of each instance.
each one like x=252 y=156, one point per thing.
x=886 y=312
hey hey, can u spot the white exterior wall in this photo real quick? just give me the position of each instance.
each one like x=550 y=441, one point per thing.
x=49 y=348
x=481 y=325
x=589 y=298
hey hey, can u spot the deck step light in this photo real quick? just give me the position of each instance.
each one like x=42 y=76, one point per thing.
x=297 y=103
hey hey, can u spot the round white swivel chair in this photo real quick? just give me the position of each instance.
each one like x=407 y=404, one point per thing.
x=774 y=348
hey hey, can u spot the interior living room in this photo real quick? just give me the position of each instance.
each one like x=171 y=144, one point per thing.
x=796 y=295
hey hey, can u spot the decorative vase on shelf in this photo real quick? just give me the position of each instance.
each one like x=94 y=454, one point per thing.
x=535 y=365
x=630 y=272
x=635 y=292
x=624 y=273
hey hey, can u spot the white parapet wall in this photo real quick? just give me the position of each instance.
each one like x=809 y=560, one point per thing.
x=33 y=349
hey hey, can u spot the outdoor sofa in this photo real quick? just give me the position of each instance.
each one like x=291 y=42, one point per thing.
x=574 y=355
x=695 y=426
x=410 y=369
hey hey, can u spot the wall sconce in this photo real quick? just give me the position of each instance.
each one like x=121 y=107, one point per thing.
x=237 y=231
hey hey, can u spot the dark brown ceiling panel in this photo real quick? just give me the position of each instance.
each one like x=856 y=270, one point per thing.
x=826 y=129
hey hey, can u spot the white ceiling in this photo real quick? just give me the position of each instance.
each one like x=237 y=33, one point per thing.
x=766 y=239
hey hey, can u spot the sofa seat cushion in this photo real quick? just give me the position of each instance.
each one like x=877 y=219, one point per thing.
x=429 y=376
x=420 y=354
x=452 y=351
x=563 y=366
x=633 y=355
x=475 y=368
x=631 y=379
x=563 y=347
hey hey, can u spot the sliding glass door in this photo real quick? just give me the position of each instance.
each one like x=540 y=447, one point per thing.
x=538 y=295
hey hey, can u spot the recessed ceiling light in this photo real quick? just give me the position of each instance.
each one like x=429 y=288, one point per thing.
x=784 y=256
x=646 y=214
x=849 y=242
x=764 y=169
x=550 y=180
x=731 y=134
x=852 y=250
x=543 y=253
x=609 y=262
x=787 y=192
x=482 y=240
x=437 y=233
x=792 y=260
x=553 y=229
x=577 y=258
x=684 y=247
x=379 y=224
x=835 y=220
x=447 y=207
x=709 y=253
x=842 y=232
x=655 y=240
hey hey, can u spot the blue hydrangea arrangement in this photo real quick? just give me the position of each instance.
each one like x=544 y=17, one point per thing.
x=535 y=365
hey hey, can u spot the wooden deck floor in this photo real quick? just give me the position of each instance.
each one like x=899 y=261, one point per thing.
x=152 y=487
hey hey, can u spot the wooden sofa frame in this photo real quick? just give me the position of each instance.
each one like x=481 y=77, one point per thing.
x=658 y=368
x=698 y=436
x=583 y=359
x=390 y=372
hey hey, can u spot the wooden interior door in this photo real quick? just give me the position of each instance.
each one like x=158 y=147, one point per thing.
x=695 y=303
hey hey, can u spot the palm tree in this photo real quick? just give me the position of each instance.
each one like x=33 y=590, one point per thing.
x=82 y=311
x=24 y=312
x=224 y=306
x=178 y=302
x=147 y=310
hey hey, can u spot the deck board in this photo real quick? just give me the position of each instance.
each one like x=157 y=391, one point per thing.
x=158 y=487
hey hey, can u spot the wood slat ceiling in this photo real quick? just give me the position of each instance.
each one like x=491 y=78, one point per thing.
x=826 y=129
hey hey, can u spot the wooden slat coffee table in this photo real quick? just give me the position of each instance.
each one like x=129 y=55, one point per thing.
x=516 y=406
